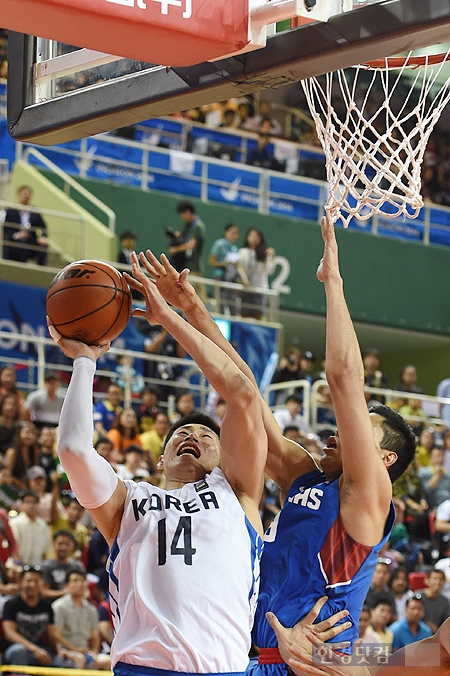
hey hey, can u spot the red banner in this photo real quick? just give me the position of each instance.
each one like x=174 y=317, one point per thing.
x=165 y=32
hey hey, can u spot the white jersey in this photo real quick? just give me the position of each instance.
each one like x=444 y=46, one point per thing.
x=184 y=575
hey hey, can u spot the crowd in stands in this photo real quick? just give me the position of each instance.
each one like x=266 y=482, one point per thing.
x=250 y=265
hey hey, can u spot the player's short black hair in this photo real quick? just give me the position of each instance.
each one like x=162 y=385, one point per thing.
x=398 y=437
x=185 y=206
x=193 y=419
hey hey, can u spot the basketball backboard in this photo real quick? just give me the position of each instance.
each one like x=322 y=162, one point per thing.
x=83 y=94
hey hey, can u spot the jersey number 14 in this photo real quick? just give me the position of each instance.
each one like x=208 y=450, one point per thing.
x=184 y=529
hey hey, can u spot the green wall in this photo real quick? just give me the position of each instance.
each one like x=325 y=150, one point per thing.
x=387 y=281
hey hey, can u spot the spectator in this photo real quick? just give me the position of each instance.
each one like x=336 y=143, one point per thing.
x=159 y=342
x=104 y=447
x=289 y=416
x=379 y=588
x=54 y=570
x=245 y=120
x=288 y=369
x=399 y=586
x=442 y=523
x=378 y=632
x=408 y=489
x=325 y=412
x=411 y=628
x=105 y=412
x=44 y=405
x=229 y=119
x=413 y=414
x=430 y=187
x=76 y=625
x=134 y=465
x=37 y=480
x=223 y=257
x=307 y=361
x=435 y=480
x=261 y=156
x=408 y=382
x=31 y=532
x=8 y=384
x=153 y=441
x=265 y=113
x=98 y=552
x=147 y=410
x=443 y=390
x=124 y=432
x=128 y=374
x=192 y=240
x=28 y=625
x=127 y=245
x=364 y=621
x=69 y=520
x=23 y=453
x=105 y=621
x=446 y=447
x=47 y=454
x=373 y=377
x=256 y=263
x=185 y=406
x=435 y=605
x=9 y=421
x=24 y=232
x=424 y=447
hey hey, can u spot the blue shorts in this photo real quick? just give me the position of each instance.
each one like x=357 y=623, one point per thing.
x=123 y=669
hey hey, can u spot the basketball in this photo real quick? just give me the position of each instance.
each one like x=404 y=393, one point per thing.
x=89 y=301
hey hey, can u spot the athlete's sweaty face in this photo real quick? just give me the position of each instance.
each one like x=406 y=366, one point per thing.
x=192 y=451
x=331 y=462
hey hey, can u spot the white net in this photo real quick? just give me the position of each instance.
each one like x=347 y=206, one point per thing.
x=374 y=124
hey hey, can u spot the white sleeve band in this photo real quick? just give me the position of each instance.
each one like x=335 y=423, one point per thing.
x=91 y=477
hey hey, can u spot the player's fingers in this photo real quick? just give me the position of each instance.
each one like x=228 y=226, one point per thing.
x=274 y=623
x=138 y=312
x=101 y=349
x=133 y=282
x=315 y=610
x=331 y=621
x=168 y=267
x=157 y=265
x=53 y=332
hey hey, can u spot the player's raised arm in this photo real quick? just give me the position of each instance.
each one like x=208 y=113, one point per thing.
x=243 y=439
x=93 y=480
x=286 y=459
x=364 y=463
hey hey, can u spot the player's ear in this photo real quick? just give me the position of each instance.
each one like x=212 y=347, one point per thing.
x=389 y=457
x=160 y=463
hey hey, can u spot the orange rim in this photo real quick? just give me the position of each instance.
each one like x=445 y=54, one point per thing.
x=406 y=61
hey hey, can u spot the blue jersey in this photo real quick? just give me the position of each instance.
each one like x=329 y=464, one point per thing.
x=308 y=554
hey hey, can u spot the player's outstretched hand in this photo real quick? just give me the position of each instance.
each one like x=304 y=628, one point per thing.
x=329 y=264
x=296 y=644
x=75 y=348
x=173 y=285
x=156 y=308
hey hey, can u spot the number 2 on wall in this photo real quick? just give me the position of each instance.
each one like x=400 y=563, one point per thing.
x=184 y=528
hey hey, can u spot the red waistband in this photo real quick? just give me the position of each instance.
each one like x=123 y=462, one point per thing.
x=270 y=656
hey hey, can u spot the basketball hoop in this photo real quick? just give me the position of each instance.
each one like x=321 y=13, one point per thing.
x=375 y=145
